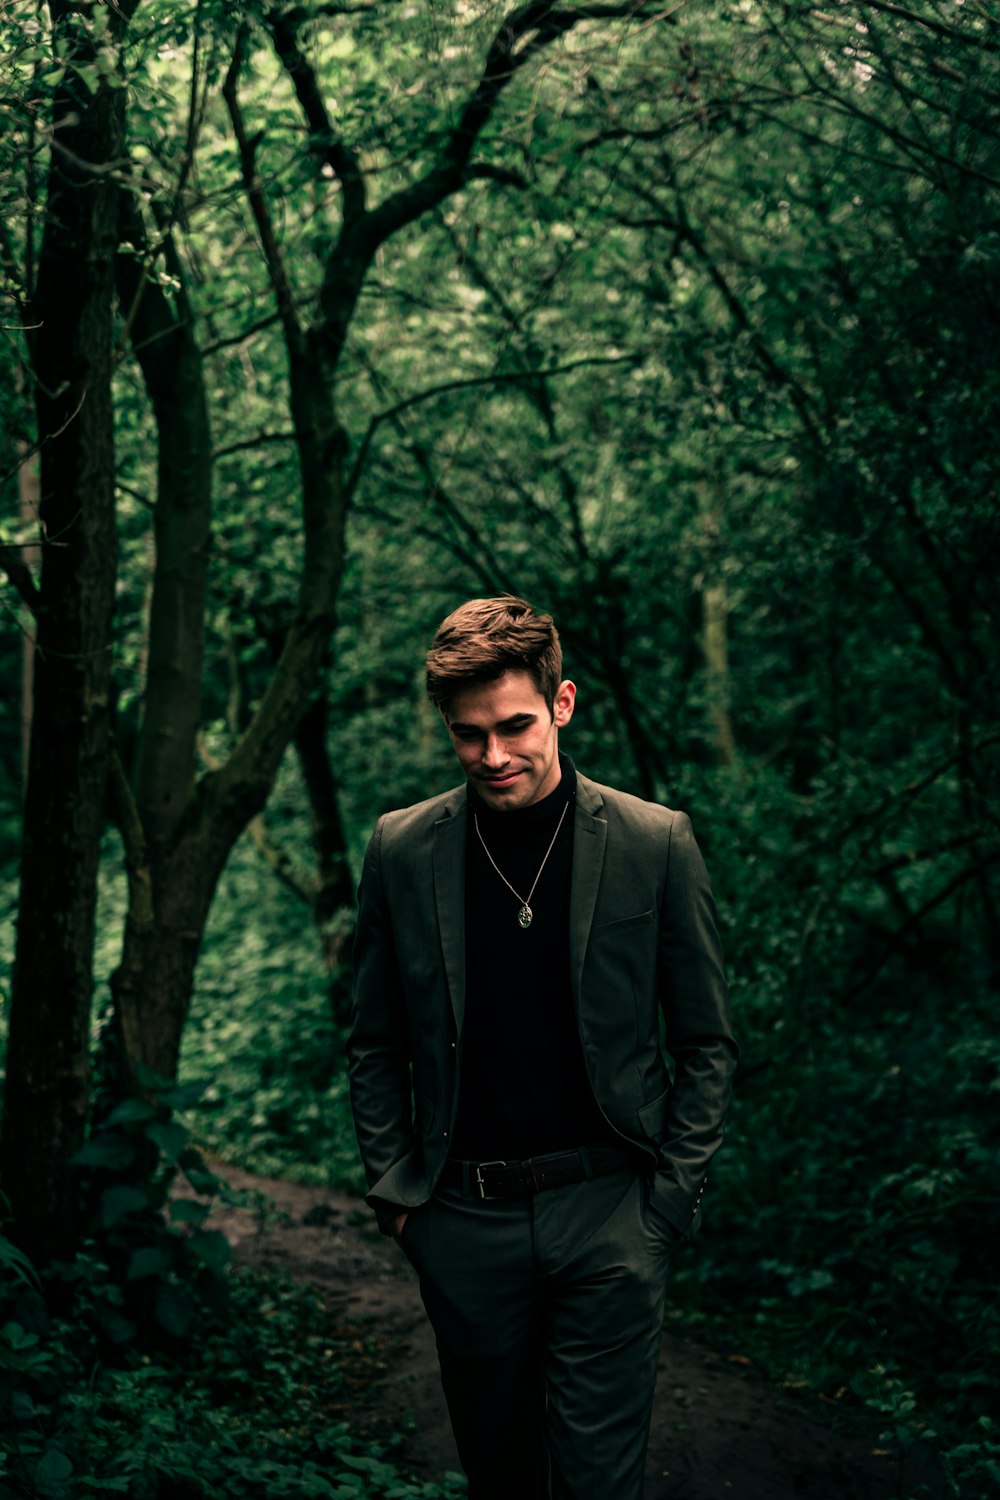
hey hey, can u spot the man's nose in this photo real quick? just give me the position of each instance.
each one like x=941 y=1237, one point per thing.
x=495 y=754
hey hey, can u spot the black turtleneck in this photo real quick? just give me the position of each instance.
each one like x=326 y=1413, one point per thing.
x=523 y=1090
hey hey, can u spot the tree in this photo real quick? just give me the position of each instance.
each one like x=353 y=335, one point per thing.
x=46 y=1100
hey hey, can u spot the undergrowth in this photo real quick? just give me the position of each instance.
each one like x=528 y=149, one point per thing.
x=241 y=1402
x=245 y=1409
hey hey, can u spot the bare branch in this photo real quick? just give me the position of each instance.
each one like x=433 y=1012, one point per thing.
x=238 y=338
x=255 y=442
x=516 y=377
x=127 y=489
x=897 y=938
x=296 y=14
x=327 y=145
x=255 y=194
x=525 y=31
x=951 y=33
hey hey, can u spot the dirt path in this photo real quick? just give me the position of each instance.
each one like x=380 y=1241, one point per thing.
x=720 y=1431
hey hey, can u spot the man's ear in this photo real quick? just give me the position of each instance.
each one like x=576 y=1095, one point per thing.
x=565 y=699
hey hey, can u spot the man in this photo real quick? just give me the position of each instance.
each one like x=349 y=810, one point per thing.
x=518 y=940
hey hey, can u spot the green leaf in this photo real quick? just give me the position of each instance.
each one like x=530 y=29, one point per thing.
x=188 y=1211
x=211 y=1247
x=120 y=1200
x=149 y=1261
x=155 y=1082
x=14 y=1260
x=182 y=1096
x=132 y=1112
x=169 y=1137
x=22 y=1407
x=17 y=1338
x=89 y=75
x=106 y=1150
x=54 y=1468
x=200 y=1178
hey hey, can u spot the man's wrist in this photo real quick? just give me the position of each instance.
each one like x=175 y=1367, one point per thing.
x=388 y=1215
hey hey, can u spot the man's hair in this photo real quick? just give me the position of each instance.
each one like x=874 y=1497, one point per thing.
x=484 y=638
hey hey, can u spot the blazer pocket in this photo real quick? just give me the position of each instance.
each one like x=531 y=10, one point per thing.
x=652 y=1117
x=622 y=924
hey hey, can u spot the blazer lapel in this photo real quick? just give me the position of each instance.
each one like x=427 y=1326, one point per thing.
x=589 y=834
x=449 y=897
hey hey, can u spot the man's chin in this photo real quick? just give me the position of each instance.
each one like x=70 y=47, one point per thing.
x=504 y=794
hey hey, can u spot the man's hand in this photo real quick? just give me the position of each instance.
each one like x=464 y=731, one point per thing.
x=396 y=1226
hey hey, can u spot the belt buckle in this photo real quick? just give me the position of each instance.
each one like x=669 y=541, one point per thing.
x=479 y=1176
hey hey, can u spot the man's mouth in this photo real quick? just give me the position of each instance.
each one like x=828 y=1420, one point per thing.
x=507 y=779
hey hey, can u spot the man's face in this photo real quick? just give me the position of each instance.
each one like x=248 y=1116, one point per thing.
x=507 y=740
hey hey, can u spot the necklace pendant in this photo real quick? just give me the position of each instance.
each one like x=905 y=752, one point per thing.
x=525 y=915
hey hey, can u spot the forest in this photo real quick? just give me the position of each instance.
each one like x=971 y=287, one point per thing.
x=680 y=321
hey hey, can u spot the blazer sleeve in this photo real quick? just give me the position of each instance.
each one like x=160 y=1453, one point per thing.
x=378 y=1046
x=697 y=1032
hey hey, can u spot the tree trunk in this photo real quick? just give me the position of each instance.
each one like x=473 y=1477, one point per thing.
x=28 y=498
x=164 y=342
x=715 y=644
x=333 y=905
x=46 y=1101
x=163 y=338
x=175 y=864
x=715 y=638
x=329 y=890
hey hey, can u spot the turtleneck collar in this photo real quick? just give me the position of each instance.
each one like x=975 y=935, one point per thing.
x=536 y=815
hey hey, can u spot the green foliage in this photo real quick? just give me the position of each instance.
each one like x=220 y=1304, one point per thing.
x=262 y=1034
x=146 y=1367
x=160 y=1279
x=241 y=1410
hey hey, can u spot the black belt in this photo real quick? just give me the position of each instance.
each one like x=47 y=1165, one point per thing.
x=506 y=1179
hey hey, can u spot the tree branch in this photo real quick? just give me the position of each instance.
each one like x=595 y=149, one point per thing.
x=896 y=938
x=516 y=377
x=524 y=32
x=254 y=442
x=255 y=193
x=950 y=33
x=327 y=145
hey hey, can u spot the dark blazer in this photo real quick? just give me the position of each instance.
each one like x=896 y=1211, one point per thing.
x=643 y=942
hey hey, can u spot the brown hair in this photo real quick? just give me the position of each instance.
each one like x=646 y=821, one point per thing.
x=484 y=638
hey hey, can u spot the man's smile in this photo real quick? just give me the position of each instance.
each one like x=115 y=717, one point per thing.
x=506 y=737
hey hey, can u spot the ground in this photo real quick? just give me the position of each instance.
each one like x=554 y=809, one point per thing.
x=720 y=1429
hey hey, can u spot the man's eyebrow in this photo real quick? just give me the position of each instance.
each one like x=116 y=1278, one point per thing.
x=521 y=718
